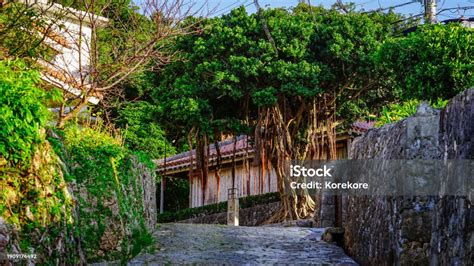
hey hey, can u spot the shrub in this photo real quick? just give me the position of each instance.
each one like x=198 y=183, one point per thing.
x=34 y=198
x=433 y=62
x=398 y=111
x=142 y=132
x=111 y=220
x=22 y=113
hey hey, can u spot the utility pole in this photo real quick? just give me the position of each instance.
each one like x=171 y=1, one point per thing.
x=430 y=11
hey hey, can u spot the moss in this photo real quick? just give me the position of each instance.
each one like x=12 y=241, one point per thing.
x=111 y=224
x=106 y=220
x=37 y=203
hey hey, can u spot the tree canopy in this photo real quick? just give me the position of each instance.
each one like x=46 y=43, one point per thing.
x=286 y=91
x=436 y=61
x=230 y=69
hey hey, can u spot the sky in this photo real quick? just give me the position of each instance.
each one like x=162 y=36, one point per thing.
x=224 y=6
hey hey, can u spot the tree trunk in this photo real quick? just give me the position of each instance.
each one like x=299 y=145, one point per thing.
x=277 y=139
x=72 y=114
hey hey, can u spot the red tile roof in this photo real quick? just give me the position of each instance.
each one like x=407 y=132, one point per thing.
x=226 y=147
x=53 y=35
x=362 y=126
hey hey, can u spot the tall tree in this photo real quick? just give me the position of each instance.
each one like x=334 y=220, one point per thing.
x=233 y=80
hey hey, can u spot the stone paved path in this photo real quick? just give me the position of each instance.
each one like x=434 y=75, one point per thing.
x=218 y=244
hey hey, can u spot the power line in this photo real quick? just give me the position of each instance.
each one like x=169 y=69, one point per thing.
x=232 y=6
x=391 y=7
x=248 y=3
x=450 y=9
x=456 y=9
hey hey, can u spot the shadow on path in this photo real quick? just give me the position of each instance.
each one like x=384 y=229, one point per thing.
x=218 y=244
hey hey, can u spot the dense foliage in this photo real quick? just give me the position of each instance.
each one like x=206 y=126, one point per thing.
x=20 y=43
x=142 y=132
x=81 y=200
x=110 y=205
x=398 y=111
x=22 y=113
x=33 y=193
x=436 y=61
x=231 y=69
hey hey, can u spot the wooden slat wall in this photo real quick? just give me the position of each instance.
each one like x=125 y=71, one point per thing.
x=246 y=181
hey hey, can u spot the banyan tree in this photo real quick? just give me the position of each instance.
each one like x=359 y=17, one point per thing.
x=287 y=79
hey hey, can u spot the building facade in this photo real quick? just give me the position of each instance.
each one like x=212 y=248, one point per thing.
x=250 y=177
x=68 y=32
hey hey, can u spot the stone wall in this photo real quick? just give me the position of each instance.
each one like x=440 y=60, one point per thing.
x=452 y=239
x=146 y=179
x=4 y=239
x=414 y=230
x=11 y=238
x=252 y=216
